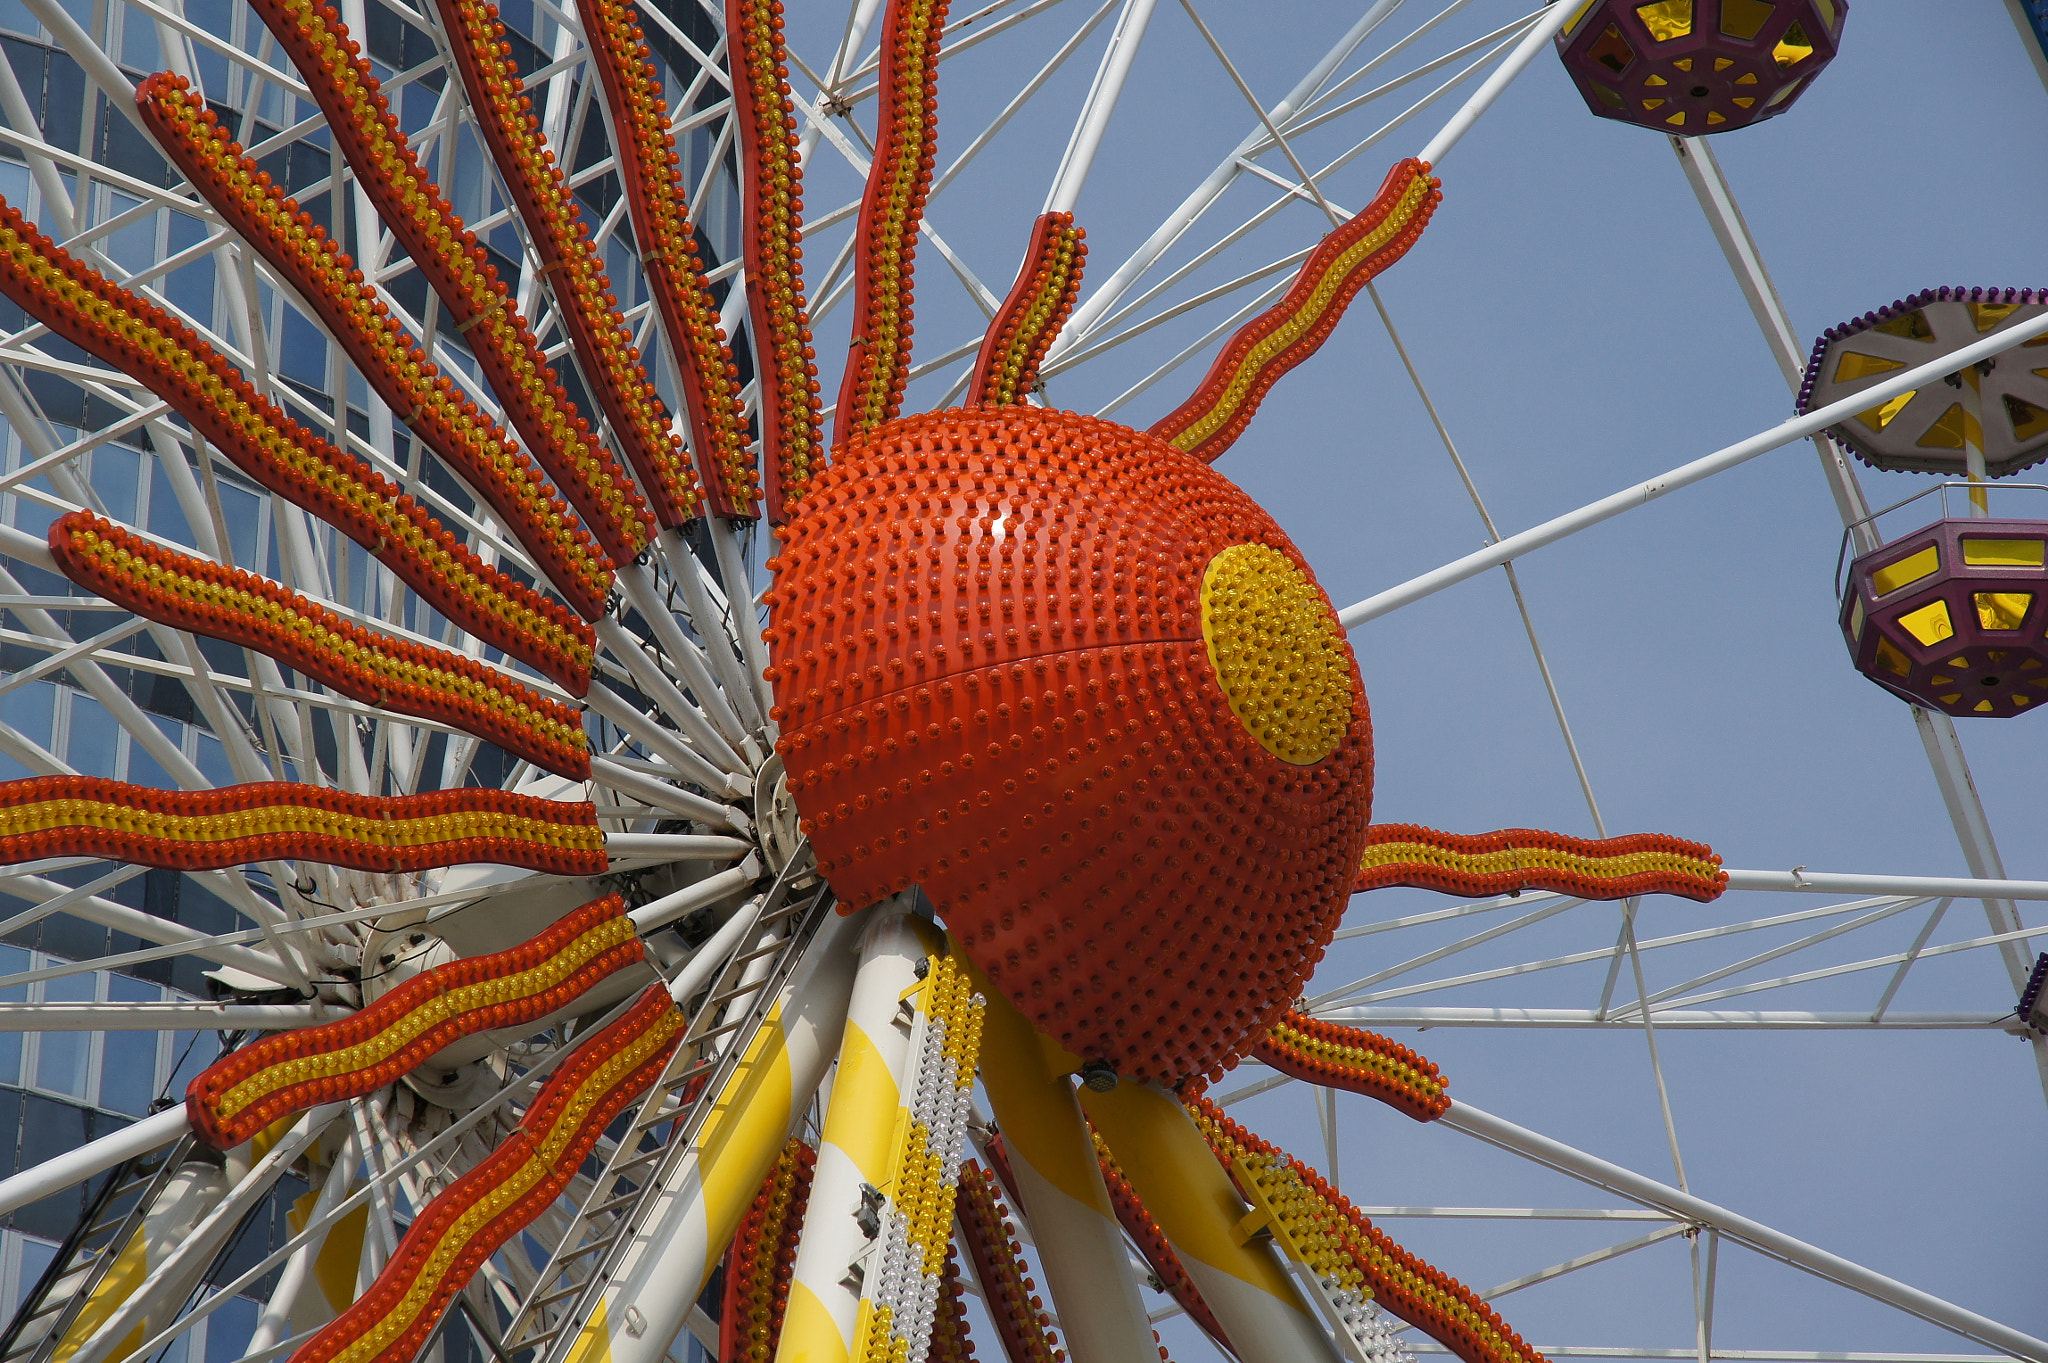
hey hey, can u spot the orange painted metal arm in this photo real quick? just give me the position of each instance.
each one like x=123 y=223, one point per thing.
x=386 y=355
x=761 y=1260
x=453 y=263
x=613 y=369
x=1516 y=859
x=204 y=597
x=1007 y=1290
x=1024 y=328
x=650 y=169
x=1339 y=1244
x=1336 y=1056
x=950 y=1342
x=477 y=1214
x=885 y=253
x=205 y=830
x=175 y=363
x=1293 y=329
x=1151 y=1241
x=772 y=235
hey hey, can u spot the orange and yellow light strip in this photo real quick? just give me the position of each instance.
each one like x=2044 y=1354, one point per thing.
x=1293 y=329
x=204 y=830
x=771 y=244
x=238 y=1096
x=170 y=358
x=612 y=366
x=452 y=261
x=1516 y=859
x=950 y=1342
x=1021 y=1322
x=1348 y=1058
x=1138 y=1223
x=1318 y=1226
x=204 y=597
x=384 y=353
x=906 y=138
x=650 y=171
x=1024 y=328
x=762 y=1258
x=456 y=1232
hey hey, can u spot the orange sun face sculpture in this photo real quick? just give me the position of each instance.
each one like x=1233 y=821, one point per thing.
x=1046 y=666
x=1059 y=673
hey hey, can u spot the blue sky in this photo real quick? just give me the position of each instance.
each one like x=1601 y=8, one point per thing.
x=1580 y=331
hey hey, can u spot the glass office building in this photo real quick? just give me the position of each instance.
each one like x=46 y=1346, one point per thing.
x=60 y=1089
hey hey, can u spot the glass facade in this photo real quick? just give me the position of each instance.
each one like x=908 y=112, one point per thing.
x=61 y=1089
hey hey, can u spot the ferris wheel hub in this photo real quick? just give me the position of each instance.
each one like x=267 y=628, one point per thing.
x=1084 y=691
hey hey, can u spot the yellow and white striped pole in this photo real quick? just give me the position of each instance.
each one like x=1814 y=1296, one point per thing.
x=1060 y=1186
x=193 y=1191
x=163 y=1261
x=698 y=1207
x=1199 y=1210
x=867 y=1273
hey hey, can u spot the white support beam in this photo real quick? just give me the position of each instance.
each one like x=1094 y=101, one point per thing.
x=1803 y=881
x=1937 y=731
x=1101 y=103
x=1733 y=1355
x=1535 y=40
x=76 y=1166
x=1598 y=1256
x=2029 y=39
x=1377 y=1016
x=1106 y=295
x=1720 y=461
x=151 y=1017
x=1752 y=1234
x=674 y=846
x=1513 y=1213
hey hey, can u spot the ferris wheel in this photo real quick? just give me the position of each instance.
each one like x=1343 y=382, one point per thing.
x=558 y=814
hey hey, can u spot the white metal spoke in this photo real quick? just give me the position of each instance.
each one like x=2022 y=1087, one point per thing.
x=681 y=720
x=1794 y=428
x=1740 y=1229
x=1598 y=1256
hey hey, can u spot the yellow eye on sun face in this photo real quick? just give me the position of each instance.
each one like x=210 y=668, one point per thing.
x=1279 y=655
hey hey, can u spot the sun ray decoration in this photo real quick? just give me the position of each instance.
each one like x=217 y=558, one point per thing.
x=448 y=255
x=1154 y=1248
x=950 y=1341
x=211 y=599
x=1060 y=716
x=1021 y=1323
x=388 y=356
x=124 y=329
x=763 y=1254
x=233 y=1099
x=1293 y=329
x=772 y=235
x=1320 y=1226
x=198 y=830
x=1030 y=319
x=611 y=365
x=649 y=168
x=1340 y=1057
x=1480 y=865
x=505 y=1192
x=891 y=210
